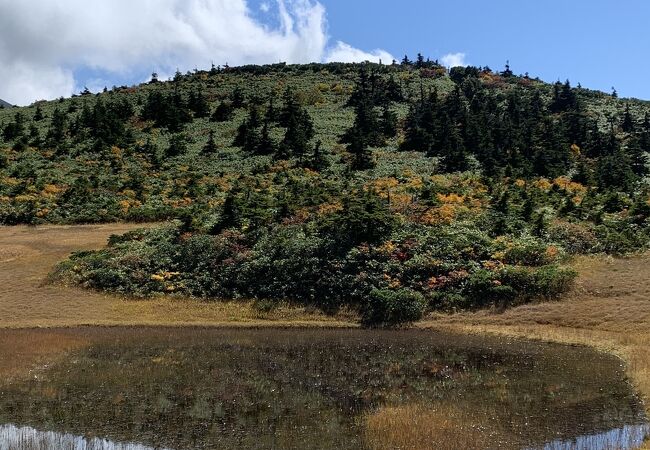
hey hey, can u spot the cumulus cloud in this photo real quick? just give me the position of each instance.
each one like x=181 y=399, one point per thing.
x=43 y=42
x=345 y=53
x=453 y=60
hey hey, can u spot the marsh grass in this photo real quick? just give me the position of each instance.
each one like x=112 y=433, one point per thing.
x=440 y=427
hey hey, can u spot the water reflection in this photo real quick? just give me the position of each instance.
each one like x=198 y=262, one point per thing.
x=318 y=389
x=26 y=438
x=629 y=437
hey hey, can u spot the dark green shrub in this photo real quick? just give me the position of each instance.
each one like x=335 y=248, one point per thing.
x=547 y=282
x=483 y=288
x=393 y=307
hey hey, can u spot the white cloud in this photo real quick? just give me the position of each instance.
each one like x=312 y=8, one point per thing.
x=345 y=53
x=43 y=42
x=265 y=7
x=453 y=60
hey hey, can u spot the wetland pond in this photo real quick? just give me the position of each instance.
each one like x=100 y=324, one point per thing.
x=194 y=388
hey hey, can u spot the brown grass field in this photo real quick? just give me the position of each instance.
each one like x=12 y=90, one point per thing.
x=609 y=310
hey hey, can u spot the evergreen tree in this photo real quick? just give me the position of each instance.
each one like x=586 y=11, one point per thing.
x=34 y=136
x=57 y=132
x=299 y=129
x=248 y=136
x=628 y=122
x=361 y=154
x=296 y=139
x=223 y=112
x=198 y=104
x=637 y=156
x=210 y=148
x=266 y=145
x=318 y=161
x=177 y=145
x=388 y=124
x=38 y=114
x=16 y=129
x=614 y=171
x=237 y=98
x=419 y=63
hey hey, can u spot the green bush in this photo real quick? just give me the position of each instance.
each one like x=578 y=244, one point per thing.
x=546 y=282
x=576 y=238
x=393 y=307
x=484 y=288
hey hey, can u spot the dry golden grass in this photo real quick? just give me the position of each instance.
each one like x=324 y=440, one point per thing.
x=427 y=427
x=608 y=310
x=28 y=254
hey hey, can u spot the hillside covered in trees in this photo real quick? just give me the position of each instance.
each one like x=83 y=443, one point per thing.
x=391 y=189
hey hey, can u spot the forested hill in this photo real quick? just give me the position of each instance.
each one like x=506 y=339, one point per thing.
x=4 y=104
x=165 y=149
x=393 y=189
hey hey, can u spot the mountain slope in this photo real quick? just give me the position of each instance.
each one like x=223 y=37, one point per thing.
x=392 y=189
x=4 y=104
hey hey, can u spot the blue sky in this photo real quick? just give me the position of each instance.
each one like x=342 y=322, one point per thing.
x=51 y=49
x=599 y=43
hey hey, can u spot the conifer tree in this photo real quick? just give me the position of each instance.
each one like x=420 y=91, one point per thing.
x=627 y=124
x=57 y=131
x=223 y=112
x=38 y=114
x=210 y=148
x=266 y=145
x=177 y=145
x=198 y=104
x=361 y=154
x=388 y=124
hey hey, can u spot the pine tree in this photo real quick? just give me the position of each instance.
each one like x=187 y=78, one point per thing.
x=394 y=90
x=237 y=98
x=57 y=131
x=361 y=155
x=210 y=148
x=177 y=145
x=34 y=136
x=248 y=137
x=297 y=137
x=38 y=114
x=388 y=124
x=299 y=129
x=628 y=122
x=419 y=63
x=614 y=171
x=16 y=129
x=318 y=161
x=266 y=145
x=198 y=104
x=637 y=156
x=223 y=112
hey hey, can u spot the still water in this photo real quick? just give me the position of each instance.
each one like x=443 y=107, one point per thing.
x=156 y=388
